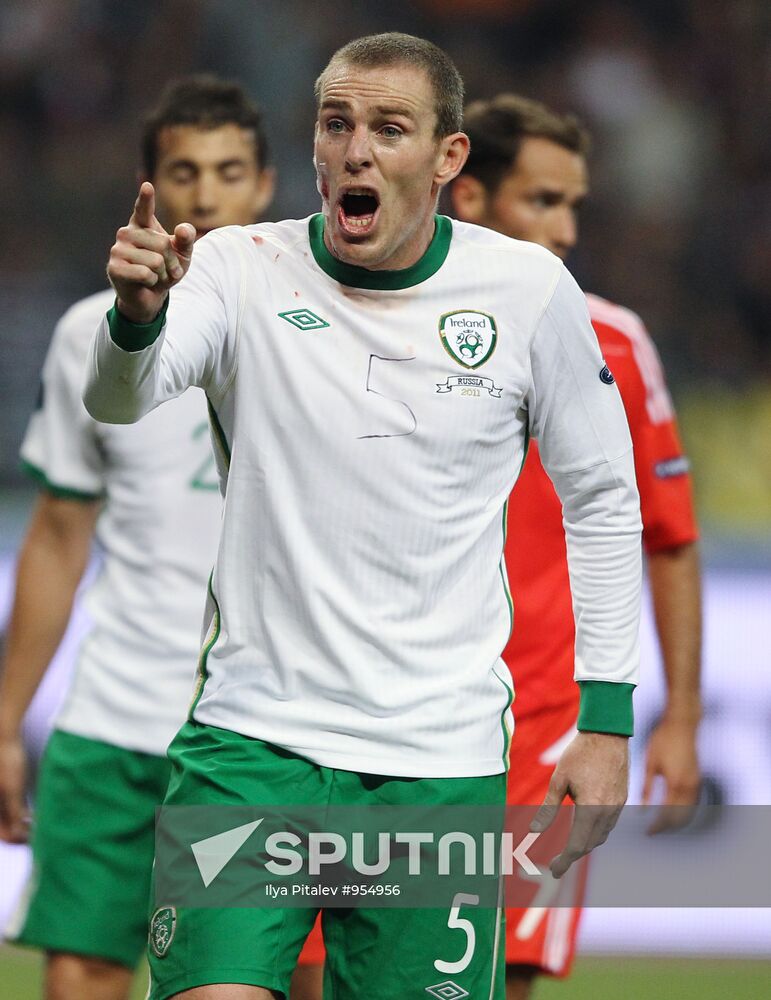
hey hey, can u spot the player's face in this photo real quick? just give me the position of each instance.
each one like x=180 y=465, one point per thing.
x=380 y=165
x=539 y=198
x=209 y=177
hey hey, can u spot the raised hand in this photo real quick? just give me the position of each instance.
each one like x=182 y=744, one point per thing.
x=594 y=771
x=146 y=261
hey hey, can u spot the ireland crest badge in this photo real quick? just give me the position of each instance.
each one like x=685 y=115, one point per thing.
x=468 y=336
x=162 y=927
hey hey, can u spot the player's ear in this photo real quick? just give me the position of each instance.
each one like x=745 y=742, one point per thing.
x=452 y=155
x=468 y=198
x=266 y=186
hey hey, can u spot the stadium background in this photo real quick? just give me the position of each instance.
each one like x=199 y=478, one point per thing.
x=678 y=96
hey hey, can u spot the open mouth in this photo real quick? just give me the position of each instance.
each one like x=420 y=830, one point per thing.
x=357 y=211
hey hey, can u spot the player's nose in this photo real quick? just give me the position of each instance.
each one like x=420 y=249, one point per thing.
x=205 y=197
x=358 y=153
x=564 y=233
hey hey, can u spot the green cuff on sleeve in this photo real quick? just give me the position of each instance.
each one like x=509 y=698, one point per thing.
x=606 y=707
x=135 y=336
x=60 y=492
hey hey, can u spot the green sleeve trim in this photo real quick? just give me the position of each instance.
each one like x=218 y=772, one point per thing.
x=60 y=492
x=135 y=336
x=606 y=707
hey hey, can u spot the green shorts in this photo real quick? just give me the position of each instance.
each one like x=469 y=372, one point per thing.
x=372 y=953
x=92 y=849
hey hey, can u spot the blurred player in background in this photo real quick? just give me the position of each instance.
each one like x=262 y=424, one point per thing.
x=526 y=177
x=149 y=492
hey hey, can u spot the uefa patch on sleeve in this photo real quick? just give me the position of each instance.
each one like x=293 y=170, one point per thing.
x=606 y=376
x=672 y=467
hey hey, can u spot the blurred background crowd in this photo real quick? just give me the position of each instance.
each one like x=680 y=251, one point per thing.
x=677 y=94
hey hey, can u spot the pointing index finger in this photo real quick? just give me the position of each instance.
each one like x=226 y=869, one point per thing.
x=144 y=206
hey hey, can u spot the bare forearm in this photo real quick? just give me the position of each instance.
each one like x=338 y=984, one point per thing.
x=50 y=567
x=676 y=590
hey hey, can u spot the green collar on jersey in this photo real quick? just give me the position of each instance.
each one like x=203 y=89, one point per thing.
x=360 y=277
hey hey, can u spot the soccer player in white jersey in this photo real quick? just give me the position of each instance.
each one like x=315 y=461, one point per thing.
x=150 y=495
x=358 y=606
x=526 y=178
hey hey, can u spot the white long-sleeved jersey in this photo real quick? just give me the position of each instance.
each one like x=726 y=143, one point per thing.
x=372 y=425
x=158 y=532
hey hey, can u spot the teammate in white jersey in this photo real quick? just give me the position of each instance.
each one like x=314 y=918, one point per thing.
x=373 y=374
x=150 y=494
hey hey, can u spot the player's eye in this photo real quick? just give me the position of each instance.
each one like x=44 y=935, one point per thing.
x=182 y=175
x=335 y=125
x=390 y=132
x=233 y=174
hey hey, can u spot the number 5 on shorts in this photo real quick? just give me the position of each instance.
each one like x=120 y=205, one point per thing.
x=456 y=921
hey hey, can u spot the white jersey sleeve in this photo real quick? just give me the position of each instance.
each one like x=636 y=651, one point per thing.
x=577 y=416
x=192 y=342
x=61 y=447
x=375 y=423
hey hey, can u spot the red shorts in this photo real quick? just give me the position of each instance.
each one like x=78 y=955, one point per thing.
x=313 y=950
x=543 y=935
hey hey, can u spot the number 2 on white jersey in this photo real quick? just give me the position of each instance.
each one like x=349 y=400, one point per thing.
x=204 y=477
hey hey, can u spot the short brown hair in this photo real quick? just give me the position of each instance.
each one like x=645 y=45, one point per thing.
x=204 y=101
x=498 y=126
x=394 y=47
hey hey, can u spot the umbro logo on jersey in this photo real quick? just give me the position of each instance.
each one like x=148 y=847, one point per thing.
x=606 y=376
x=469 y=336
x=448 y=990
x=304 y=319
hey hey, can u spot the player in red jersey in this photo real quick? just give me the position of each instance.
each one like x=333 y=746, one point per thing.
x=526 y=177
